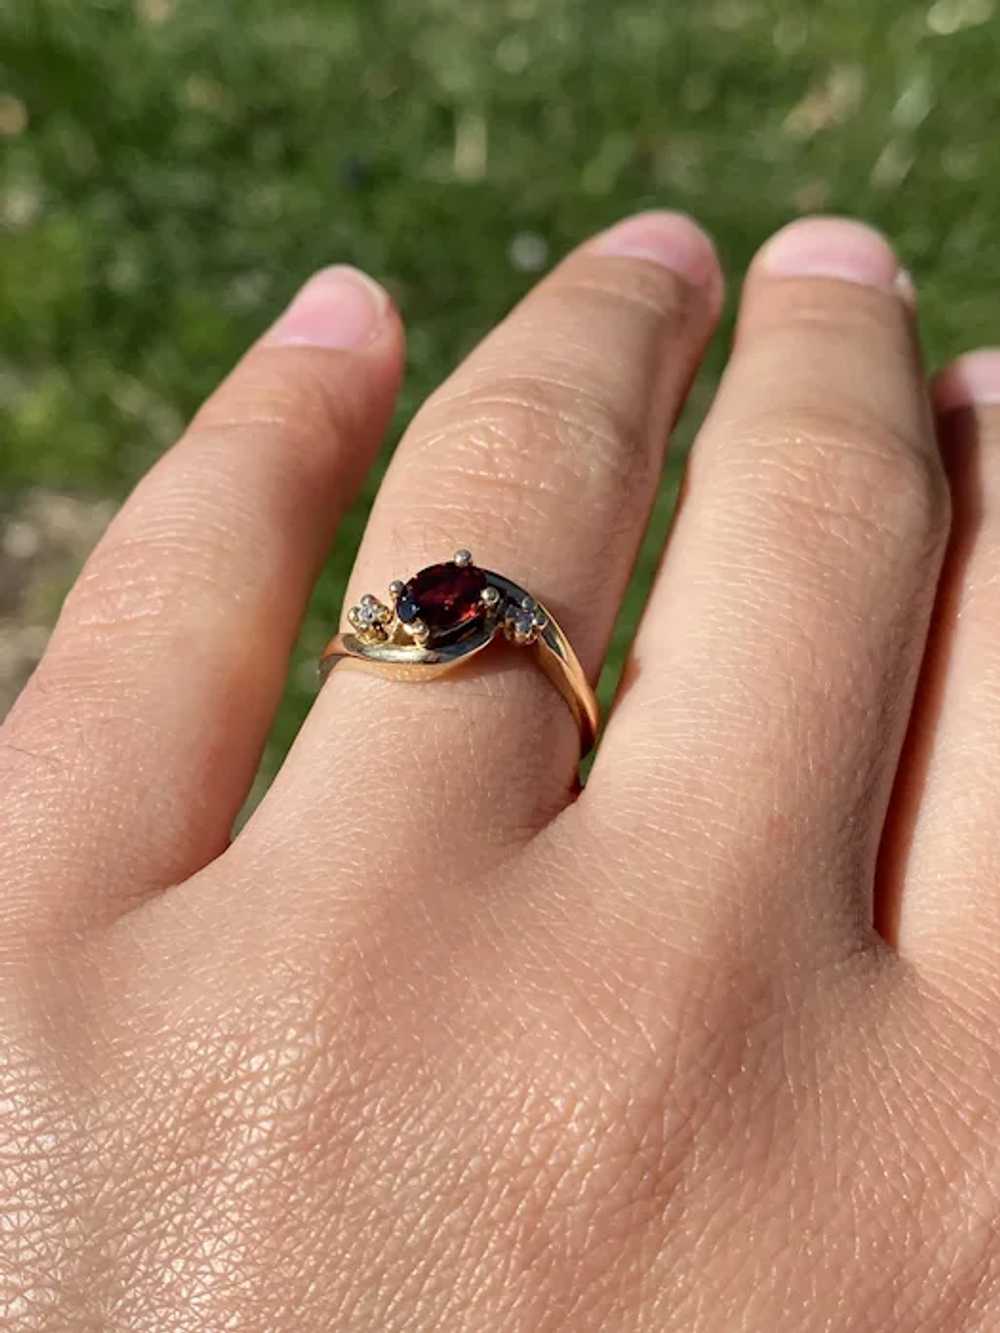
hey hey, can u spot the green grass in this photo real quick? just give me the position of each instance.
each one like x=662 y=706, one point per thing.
x=173 y=168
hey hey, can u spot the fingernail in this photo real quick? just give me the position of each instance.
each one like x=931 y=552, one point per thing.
x=971 y=380
x=834 y=248
x=339 y=307
x=671 y=240
x=906 y=288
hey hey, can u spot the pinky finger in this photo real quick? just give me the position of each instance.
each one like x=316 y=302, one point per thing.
x=130 y=752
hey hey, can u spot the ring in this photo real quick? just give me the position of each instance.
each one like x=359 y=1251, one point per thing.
x=450 y=612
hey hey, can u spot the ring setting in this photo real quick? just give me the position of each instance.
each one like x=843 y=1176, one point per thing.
x=447 y=613
x=443 y=601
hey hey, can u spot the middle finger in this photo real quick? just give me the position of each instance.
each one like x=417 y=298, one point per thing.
x=781 y=645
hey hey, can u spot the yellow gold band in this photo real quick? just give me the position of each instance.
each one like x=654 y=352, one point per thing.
x=445 y=616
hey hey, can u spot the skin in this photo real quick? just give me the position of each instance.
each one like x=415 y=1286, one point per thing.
x=439 y=1042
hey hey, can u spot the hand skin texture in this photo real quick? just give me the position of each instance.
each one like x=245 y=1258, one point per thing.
x=439 y=1042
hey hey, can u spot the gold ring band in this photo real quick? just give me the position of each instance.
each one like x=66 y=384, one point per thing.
x=447 y=614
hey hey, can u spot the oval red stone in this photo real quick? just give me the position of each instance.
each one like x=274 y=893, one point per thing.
x=443 y=596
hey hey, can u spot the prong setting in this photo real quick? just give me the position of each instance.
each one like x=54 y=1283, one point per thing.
x=448 y=612
x=524 y=622
x=439 y=600
x=371 y=620
x=418 y=632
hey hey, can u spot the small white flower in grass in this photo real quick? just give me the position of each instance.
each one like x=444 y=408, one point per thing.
x=528 y=252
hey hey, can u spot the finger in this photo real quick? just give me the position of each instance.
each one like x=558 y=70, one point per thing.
x=941 y=864
x=542 y=455
x=769 y=688
x=132 y=749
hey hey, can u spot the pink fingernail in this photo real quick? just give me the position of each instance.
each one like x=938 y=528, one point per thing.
x=971 y=380
x=671 y=240
x=834 y=248
x=339 y=307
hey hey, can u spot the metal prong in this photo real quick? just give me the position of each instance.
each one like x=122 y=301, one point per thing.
x=396 y=589
x=490 y=596
x=528 y=603
x=369 y=600
x=463 y=558
x=417 y=631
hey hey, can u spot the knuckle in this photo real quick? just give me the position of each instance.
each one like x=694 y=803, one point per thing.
x=840 y=317
x=259 y=451
x=288 y=390
x=136 y=582
x=923 y=500
x=846 y=469
x=534 y=433
x=650 y=295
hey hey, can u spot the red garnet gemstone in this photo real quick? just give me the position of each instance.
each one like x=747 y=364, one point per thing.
x=444 y=597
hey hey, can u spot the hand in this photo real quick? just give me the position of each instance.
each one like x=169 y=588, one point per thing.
x=438 y=1043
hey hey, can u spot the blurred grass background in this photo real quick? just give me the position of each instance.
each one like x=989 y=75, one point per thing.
x=172 y=169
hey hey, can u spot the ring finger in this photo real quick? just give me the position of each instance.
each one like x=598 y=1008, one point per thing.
x=542 y=455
